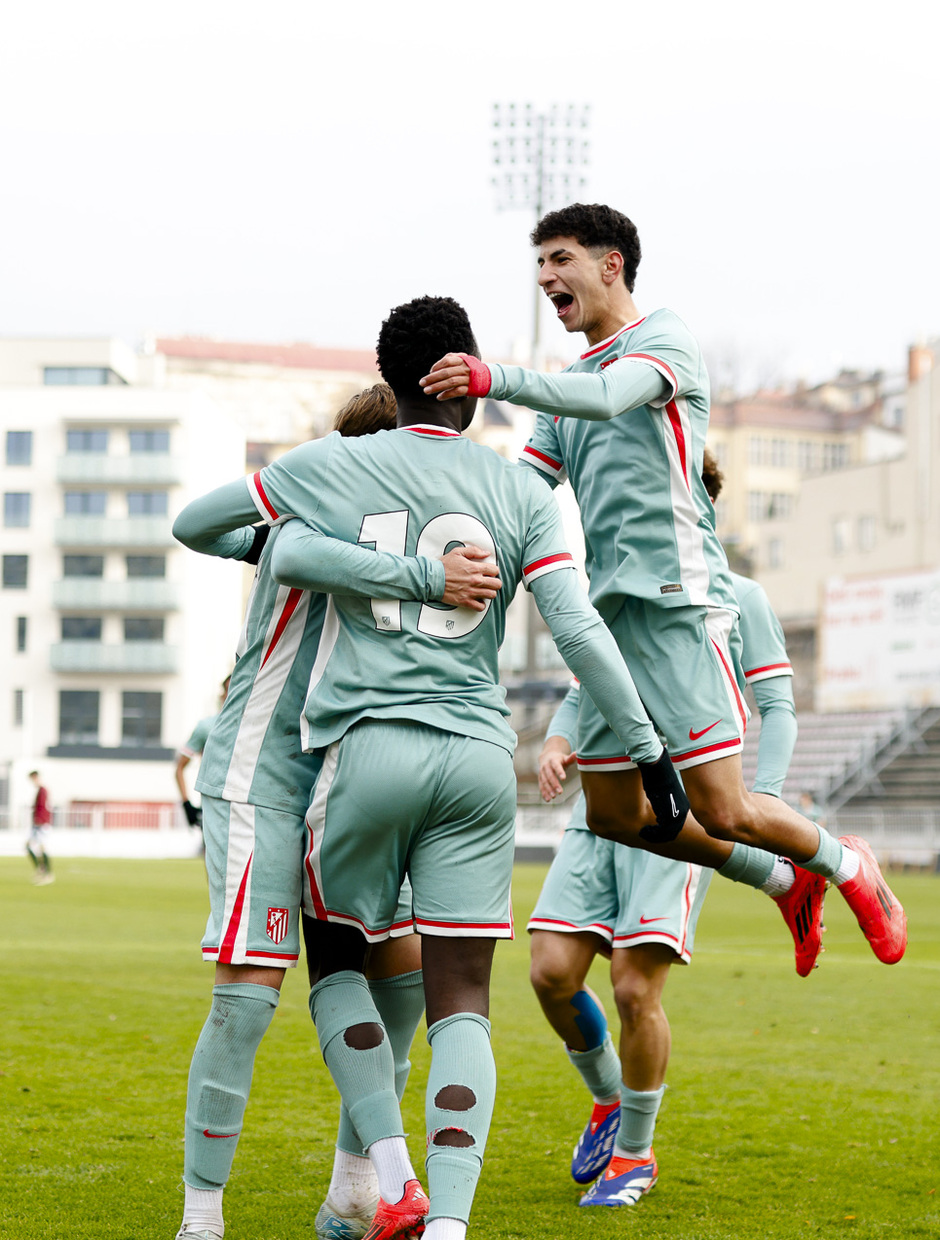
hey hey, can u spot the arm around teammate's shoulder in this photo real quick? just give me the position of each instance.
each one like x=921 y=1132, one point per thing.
x=219 y=523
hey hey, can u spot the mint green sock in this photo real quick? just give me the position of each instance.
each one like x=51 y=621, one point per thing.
x=400 y=1003
x=461 y=1056
x=827 y=858
x=638 y=1112
x=220 y=1080
x=748 y=865
x=600 y=1068
x=364 y=1078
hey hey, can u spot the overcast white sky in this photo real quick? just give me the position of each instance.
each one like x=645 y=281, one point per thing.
x=290 y=170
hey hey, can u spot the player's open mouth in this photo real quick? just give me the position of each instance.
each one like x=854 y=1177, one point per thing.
x=561 y=302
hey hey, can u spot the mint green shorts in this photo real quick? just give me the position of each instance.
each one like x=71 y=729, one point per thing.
x=398 y=799
x=686 y=664
x=623 y=895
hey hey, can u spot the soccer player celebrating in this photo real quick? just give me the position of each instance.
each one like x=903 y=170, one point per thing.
x=627 y=424
x=642 y=910
x=417 y=774
x=255 y=780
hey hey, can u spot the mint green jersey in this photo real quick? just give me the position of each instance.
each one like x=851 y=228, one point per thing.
x=254 y=753
x=414 y=490
x=200 y=734
x=629 y=426
x=418 y=491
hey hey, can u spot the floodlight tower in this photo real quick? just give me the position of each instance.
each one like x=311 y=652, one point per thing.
x=540 y=158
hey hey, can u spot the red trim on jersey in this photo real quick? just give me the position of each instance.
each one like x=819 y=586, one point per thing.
x=656 y=361
x=273 y=955
x=231 y=930
x=769 y=667
x=599 y=348
x=465 y=925
x=439 y=431
x=293 y=598
x=596 y=927
x=647 y=935
x=263 y=496
x=602 y=761
x=542 y=457
x=675 y=421
x=564 y=557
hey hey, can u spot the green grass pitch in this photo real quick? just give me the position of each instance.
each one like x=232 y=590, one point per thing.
x=794 y=1109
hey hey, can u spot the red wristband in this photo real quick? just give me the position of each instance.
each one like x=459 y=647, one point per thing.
x=480 y=379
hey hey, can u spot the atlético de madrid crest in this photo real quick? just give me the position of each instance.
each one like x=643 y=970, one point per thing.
x=277 y=924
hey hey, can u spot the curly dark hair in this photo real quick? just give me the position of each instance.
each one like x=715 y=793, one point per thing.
x=416 y=335
x=596 y=227
x=712 y=475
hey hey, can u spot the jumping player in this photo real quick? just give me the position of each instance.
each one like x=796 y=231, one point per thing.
x=642 y=910
x=255 y=780
x=627 y=424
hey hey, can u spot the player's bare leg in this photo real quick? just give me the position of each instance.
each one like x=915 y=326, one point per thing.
x=244 y=999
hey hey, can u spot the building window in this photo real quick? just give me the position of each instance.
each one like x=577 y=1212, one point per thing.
x=756 y=505
x=755 y=450
x=17 y=708
x=21 y=629
x=781 y=504
x=146 y=566
x=83 y=566
x=78 y=716
x=841 y=535
x=143 y=629
x=775 y=553
x=867 y=531
x=16 y=507
x=79 y=376
x=141 y=719
x=81 y=628
x=149 y=441
x=146 y=503
x=835 y=455
x=779 y=453
x=86 y=441
x=806 y=456
x=15 y=572
x=85 y=503
x=19 y=447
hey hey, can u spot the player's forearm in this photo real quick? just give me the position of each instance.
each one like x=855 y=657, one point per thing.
x=220 y=523
x=565 y=719
x=587 y=647
x=304 y=558
x=594 y=397
x=778 y=728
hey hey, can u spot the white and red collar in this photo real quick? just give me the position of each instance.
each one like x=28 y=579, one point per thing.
x=604 y=344
x=433 y=432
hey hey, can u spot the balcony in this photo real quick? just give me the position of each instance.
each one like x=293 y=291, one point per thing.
x=118 y=532
x=155 y=468
x=94 y=594
x=148 y=658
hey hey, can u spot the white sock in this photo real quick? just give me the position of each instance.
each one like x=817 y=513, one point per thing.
x=354 y=1188
x=445 y=1229
x=848 y=866
x=203 y=1208
x=392 y=1166
x=780 y=879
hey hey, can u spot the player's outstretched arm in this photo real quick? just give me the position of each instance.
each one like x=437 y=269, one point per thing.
x=306 y=559
x=595 y=397
x=778 y=729
x=220 y=523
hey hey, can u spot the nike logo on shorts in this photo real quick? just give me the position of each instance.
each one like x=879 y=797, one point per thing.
x=694 y=736
x=645 y=921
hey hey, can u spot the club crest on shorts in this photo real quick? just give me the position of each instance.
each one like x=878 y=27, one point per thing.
x=277 y=924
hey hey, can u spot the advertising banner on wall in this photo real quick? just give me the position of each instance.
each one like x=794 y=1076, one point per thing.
x=880 y=643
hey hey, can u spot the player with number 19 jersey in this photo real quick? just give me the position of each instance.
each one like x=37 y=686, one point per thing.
x=426 y=488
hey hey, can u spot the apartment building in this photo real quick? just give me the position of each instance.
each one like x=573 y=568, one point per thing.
x=114 y=639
